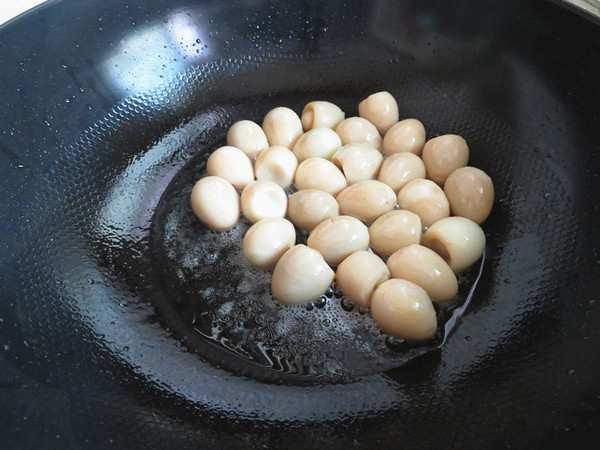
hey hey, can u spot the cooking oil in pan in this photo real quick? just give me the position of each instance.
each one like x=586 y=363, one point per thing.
x=223 y=309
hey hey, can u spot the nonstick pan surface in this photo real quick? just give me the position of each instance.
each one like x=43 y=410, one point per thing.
x=109 y=111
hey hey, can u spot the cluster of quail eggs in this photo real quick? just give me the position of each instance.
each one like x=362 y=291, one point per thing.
x=396 y=215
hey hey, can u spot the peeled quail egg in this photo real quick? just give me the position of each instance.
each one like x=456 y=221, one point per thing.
x=366 y=200
x=339 y=237
x=458 y=240
x=300 y=276
x=321 y=114
x=277 y=164
x=309 y=207
x=282 y=126
x=267 y=240
x=232 y=164
x=470 y=192
x=443 y=155
x=357 y=130
x=394 y=230
x=403 y=309
x=248 y=136
x=358 y=162
x=262 y=199
x=408 y=135
x=216 y=203
x=426 y=268
x=317 y=143
x=400 y=168
x=318 y=173
x=426 y=199
x=380 y=109
x=359 y=274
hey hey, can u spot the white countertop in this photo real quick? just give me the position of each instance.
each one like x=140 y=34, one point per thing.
x=591 y=6
x=12 y=8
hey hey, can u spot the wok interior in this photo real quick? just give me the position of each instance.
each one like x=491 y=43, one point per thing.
x=209 y=292
x=133 y=217
x=100 y=282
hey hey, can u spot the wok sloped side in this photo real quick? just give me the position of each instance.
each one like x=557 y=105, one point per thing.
x=103 y=110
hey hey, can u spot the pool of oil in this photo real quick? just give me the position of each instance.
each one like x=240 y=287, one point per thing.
x=222 y=308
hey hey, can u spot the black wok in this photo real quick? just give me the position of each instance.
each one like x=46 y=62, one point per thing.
x=109 y=109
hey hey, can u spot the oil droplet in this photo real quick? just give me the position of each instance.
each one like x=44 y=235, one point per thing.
x=320 y=302
x=346 y=304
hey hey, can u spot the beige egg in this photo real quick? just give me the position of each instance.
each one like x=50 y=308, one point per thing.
x=300 y=276
x=426 y=268
x=366 y=200
x=357 y=130
x=381 y=109
x=321 y=114
x=426 y=199
x=394 y=230
x=262 y=199
x=277 y=164
x=358 y=276
x=358 y=162
x=267 y=240
x=232 y=164
x=309 y=207
x=318 y=173
x=443 y=155
x=282 y=126
x=339 y=237
x=408 y=135
x=459 y=241
x=403 y=309
x=317 y=143
x=248 y=136
x=470 y=192
x=400 y=168
x=216 y=203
